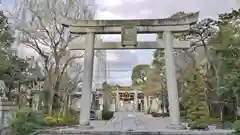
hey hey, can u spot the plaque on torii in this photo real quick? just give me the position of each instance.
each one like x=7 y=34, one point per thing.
x=129 y=35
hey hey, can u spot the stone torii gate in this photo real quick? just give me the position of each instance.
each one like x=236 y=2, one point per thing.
x=129 y=29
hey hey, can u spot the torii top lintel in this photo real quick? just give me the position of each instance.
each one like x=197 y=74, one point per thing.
x=82 y=25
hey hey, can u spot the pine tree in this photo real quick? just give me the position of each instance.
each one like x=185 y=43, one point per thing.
x=195 y=101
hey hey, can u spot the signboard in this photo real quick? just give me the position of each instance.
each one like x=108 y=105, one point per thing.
x=129 y=35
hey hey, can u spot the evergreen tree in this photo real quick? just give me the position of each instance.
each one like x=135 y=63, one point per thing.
x=5 y=42
x=195 y=100
x=12 y=68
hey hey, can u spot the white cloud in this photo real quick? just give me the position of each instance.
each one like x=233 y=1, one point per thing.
x=107 y=15
x=145 y=12
x=112 y=56
x=111 y=3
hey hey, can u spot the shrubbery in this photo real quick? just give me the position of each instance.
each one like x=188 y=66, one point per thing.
x=53 y=121
x=107 y=115
x=227 y=125
x=197 y=112
x=26 y=121
x=236 y=126
x=214 y=121
x=154 y=114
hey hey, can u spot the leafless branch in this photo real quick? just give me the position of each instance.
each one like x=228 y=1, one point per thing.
x=66 y=65
x=42 y=25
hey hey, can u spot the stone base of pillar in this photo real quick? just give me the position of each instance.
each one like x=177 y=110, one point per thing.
x=176 y=127
x=99 y=114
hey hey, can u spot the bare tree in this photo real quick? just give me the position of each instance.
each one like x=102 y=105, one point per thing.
x=42 y=32
x=71 y=82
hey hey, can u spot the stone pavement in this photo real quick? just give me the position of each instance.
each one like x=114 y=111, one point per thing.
x=132 y=123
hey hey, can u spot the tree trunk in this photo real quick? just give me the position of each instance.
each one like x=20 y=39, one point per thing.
x=163 y=103
x=149 y=105
x=37 y=101
x=149 y=108
x=145 y=104
x=106 y=101
x=221 y=113
x=93 y=102
x=19 y=95
x=237 y=106
x=50 y=102
x=9 y=94
x=166 y=105
x=65 y=105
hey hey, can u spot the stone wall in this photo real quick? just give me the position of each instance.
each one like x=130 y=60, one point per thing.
x=6 y=109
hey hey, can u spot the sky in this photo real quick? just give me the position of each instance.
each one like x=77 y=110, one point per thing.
x=121 y=62
x=149 y=9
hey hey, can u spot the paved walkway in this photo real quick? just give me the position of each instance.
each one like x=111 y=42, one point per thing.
x=130 y=121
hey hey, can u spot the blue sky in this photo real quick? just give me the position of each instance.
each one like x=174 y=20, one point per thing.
x=125 y=60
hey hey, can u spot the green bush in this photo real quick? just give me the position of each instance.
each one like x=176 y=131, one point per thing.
x=55 y=120
x=197 y=120
x=50 y=120
x=107 y=115
x=197 y=113
x=26 y=121
x=183 y=113
x=213 y=121
x=227 y=125
x=154 y=114
x=236 y=126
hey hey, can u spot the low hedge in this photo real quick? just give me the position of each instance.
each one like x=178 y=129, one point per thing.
x=107 y=115
x=154 y=114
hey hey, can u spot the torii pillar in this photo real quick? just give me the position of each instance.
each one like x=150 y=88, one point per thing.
x=172 y=90
x=86 y=96
x=129 y=30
